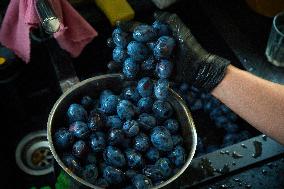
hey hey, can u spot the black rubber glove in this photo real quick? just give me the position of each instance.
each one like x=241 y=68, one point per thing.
x=194 y=64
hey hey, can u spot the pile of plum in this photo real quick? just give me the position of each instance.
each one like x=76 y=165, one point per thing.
x=221 y=118
x=129 y=139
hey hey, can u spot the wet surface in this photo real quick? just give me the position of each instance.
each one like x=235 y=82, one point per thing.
x=261 y=176
x=234 y=159
x=206 y=166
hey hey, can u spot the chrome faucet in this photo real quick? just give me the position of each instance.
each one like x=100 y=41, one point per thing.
x=49 y=21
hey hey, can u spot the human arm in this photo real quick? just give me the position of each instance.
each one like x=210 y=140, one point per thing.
x=259 y=102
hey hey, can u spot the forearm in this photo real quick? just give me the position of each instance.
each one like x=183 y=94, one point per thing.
x=259 y=102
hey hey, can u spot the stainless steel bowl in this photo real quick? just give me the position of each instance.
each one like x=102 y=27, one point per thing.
x=115 y=82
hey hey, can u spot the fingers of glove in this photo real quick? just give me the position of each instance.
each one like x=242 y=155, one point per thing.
x=162 y=16
x=127 y=26
x=183 y=66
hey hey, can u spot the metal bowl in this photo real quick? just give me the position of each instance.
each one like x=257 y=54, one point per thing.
x=115 y=82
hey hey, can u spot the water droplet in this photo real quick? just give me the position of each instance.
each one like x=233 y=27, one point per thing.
x=264 y=137
x=243 y=145
x=264 y=171
x=222 y=152
x=233 y=163
x=227 y=152
x=257 y=148
x=245 y=60
x=224 y=186
x=236 y=155
x=248 y=186
x=240 y=184
x=237 y=180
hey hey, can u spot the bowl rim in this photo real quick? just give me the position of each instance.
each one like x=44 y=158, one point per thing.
x=86 y=81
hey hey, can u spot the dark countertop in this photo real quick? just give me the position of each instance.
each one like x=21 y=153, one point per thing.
x=228 y=29
x=246 y=33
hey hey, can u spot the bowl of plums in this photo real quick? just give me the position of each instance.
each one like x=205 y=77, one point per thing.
x=127 y=129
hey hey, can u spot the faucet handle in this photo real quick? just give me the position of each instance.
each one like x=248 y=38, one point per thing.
x=48 y=18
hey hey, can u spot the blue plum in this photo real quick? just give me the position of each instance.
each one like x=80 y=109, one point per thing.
x=113 y=175
x=95 y=121
x=63 y=138
x=161 y=28
x=87 y=102
x=109 y=104
x=177 y=156
x=97 y=142
x=102 y=183
x=152 y=154
x=80 y=149
x=145 y=87
x=131 y=93
x=147 y=121
x=119 y=54
x=90 y=173
x=164 y=68
x=138 y=51
x=149 y=64
x=145 y=104
x=76 y=112
x=79 y=129
x=164 y=47
x=172 y=125
x=131 y=128
x=153 y=172
x=125 y=110
x=120 y=38
x=114 y=157
x=141 y=142
x=144 y=33
x=134 y=159
x=72 y=163
x=161 y=89
x=177 y=140
x=104 y=94
x=115 y=137
x=130 y=68
x=164 y=165
x=141 y=182
x=114 y=122
x=161 y=138
x=162 y=109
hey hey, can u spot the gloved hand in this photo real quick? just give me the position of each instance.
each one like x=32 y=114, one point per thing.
x=194 y=64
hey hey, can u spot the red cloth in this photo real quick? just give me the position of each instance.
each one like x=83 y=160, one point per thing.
x=21 y=16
